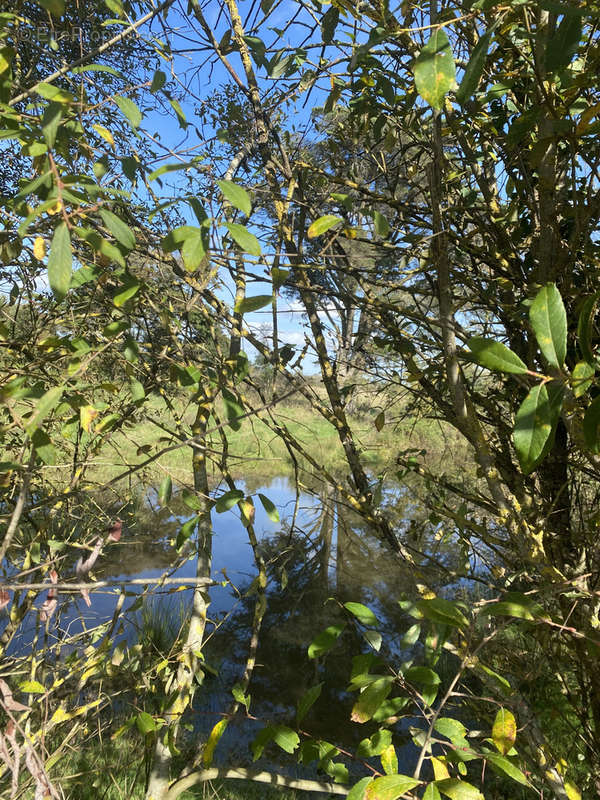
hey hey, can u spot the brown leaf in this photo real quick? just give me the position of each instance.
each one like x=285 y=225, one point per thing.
x=4 y=598
x=9 y=702
x=115 y=530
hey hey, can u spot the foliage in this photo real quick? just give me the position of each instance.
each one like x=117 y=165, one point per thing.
x=435 y=219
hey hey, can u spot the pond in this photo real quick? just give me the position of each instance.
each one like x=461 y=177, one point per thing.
x=319 y=556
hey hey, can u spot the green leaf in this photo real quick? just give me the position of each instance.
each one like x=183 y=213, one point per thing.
x=535 y=423
x=564 y=43
x=591 y=426
x=145 y=723
x=434 y=70
x=50 y=122
x=236 y=195
x=50 y=92
x=375 y=745
x=382 y=226
x=325 y=640
x=390 y=787
x=502 y=764
x=269 y=507
x=443 y=611
x=323 y=224
x=279 y=277
x=380 y=421
x=307 y=700
x=549 y=322
x=456 y=789
x=165 y=490
x=183 y=123
x=138 y=393
x=233 y=409
x=474 y=70
x=248 y=304
x=582 y=378
x=191 y=500
x=286 y=738
x=504 y=731
x=47 y=403
x=194 y=249
x=362 y=613
x=432 y=793
x=585 y=326
x=245 y=240
x=55 y=7
x=129 y=110
x=357 y=792
x=126 y=291
x=228 y=500
x=158 y=81
x=60 y=262
x=370 y=699
x=496 y=356
x=186 y=530
x=122 y=232
x=42 y=444
x=451 y=729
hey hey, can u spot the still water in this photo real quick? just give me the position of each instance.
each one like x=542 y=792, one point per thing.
x=318 y=556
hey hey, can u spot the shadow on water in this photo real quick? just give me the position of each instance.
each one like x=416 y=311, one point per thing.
x=319 y=556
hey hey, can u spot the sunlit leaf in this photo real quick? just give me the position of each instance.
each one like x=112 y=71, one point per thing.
x=119 y=229
x=321 y=225
x=165 y=490
x=245 y=240
x=212 y=741
x=362 y=613
x=228 y=500
x=456 y=789
x=443 y=611
x=129 y=109
x=325 y=640
x=535 y=423
x=496 y=356
x=270 y=508
x=370 y=699
x=236 y=195
x=504 y=731
x=549 y=322
x=434 y=70
x=249 y=304
x=60 y=261
x=503 y=765
x=390 y=787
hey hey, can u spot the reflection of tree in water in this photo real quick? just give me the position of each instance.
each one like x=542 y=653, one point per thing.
x=332 y=555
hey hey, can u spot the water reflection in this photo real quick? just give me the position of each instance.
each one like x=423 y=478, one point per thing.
x=319 y=556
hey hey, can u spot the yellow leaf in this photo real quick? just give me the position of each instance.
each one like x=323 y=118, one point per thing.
x=572 y=791
x=212 y=742
x=504 y=731
x=105 y=134
x=39 y=248
x=56 y=208
x=440 y=771
x=87 y=414
x=587 y=116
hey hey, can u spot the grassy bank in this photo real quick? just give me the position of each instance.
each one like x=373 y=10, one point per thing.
x=256 y=448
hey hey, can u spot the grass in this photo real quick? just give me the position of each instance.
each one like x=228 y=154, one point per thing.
x=100 y=769
x=255 y=448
